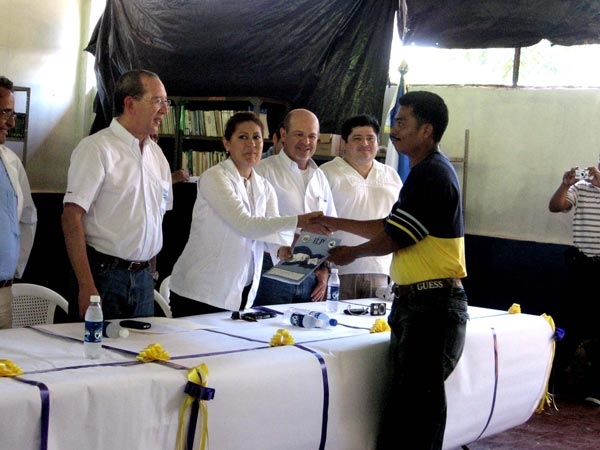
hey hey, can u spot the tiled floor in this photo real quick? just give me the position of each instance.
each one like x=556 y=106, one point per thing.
x=575 y=426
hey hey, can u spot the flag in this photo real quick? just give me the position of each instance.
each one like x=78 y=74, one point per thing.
x=400 y=162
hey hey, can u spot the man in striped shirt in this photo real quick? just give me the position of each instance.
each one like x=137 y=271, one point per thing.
x=425 y=234
x=578 y=315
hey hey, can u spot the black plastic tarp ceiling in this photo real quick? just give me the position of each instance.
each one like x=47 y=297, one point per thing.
x=329 y=56
x=501 y=23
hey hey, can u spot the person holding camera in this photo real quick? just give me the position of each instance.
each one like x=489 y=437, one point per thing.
x=579 y=191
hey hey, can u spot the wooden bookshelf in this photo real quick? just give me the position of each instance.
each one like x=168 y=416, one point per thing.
x=191 y=133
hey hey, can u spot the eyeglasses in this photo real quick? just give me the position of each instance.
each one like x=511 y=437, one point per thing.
x=157 y=101
x=356 y=310
x=8 y=114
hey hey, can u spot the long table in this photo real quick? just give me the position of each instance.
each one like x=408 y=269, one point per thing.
x=324 y=392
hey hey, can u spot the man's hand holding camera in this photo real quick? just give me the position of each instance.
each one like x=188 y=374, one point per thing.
x=590 y=174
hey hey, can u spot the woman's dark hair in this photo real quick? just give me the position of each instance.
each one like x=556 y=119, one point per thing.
x=237 y=118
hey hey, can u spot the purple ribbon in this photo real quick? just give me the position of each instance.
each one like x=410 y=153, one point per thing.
x=495 y=384
x=45 y=414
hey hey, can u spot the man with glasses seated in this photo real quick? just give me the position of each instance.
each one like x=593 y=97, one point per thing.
x=118 y=190
x=18 y=216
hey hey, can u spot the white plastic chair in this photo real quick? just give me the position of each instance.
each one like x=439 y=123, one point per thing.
x=165 y=290
x=163 y=303
x=34 y=304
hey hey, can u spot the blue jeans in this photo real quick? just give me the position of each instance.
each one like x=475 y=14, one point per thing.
x=273 y=292
x=124 y=293
x=427 y=340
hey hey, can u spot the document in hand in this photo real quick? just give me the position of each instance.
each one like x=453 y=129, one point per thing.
x=309 y=251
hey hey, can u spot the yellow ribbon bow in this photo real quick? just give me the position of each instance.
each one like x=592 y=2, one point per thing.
x=282 y=337
x=9 y=368
x=196 y=391
x=154 y=352
x=380 y=326
x=548 y=399
x=515 y=309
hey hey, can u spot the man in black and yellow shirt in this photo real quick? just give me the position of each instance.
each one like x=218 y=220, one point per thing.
x=425 y=233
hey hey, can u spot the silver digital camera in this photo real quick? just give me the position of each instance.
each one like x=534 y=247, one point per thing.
x=582 y=174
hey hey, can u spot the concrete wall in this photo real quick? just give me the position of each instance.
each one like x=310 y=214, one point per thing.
x=41 y=47
x=521 y=142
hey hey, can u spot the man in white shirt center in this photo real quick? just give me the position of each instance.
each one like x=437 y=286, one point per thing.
x=363 y=189
x=301 y=188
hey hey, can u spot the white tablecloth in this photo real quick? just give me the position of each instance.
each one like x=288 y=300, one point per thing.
x=322 y=393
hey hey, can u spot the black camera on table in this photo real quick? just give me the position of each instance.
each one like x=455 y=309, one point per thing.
x=377 y=309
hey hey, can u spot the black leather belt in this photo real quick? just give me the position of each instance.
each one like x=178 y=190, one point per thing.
x=401 y=290
x=115 y=262
x=6 y=283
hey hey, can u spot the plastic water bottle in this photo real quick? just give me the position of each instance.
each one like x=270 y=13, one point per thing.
x=385 y=292
x=333 y=291
x=327 y=322
x=92 y=338
x=114 y=330
x=307 y=319
x=300 y=318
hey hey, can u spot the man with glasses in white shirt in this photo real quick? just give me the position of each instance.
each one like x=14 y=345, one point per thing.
x=18 y=215
x=118 y=190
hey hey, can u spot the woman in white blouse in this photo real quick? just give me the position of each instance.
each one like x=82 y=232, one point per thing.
x=234 y=215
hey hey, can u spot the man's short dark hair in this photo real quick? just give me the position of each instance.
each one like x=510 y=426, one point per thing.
x=277 y=131
x=428 y=108
x=130 y=84
x=362 y=120
x=6 y=83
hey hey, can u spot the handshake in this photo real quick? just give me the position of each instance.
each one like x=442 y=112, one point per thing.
x=317 y=222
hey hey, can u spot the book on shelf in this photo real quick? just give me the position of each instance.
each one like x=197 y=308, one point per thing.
x=308 y=253
x=168 y=124
x=193 y=121
x=197 y=162
x=263 y=119
x=210 y=124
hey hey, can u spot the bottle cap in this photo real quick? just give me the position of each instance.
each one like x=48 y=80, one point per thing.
x=333 y=322
x=334 y=270
x=94 y=299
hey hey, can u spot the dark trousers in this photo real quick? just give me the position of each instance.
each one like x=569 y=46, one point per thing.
x=183 y=306
x=273 y=292
x=427 y=340
x=576 y=365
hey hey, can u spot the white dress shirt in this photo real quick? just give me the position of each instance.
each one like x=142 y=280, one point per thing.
x=26 y=211
x=227 y=236
x=361 y=198
x=125 y=192
x=298 y=192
